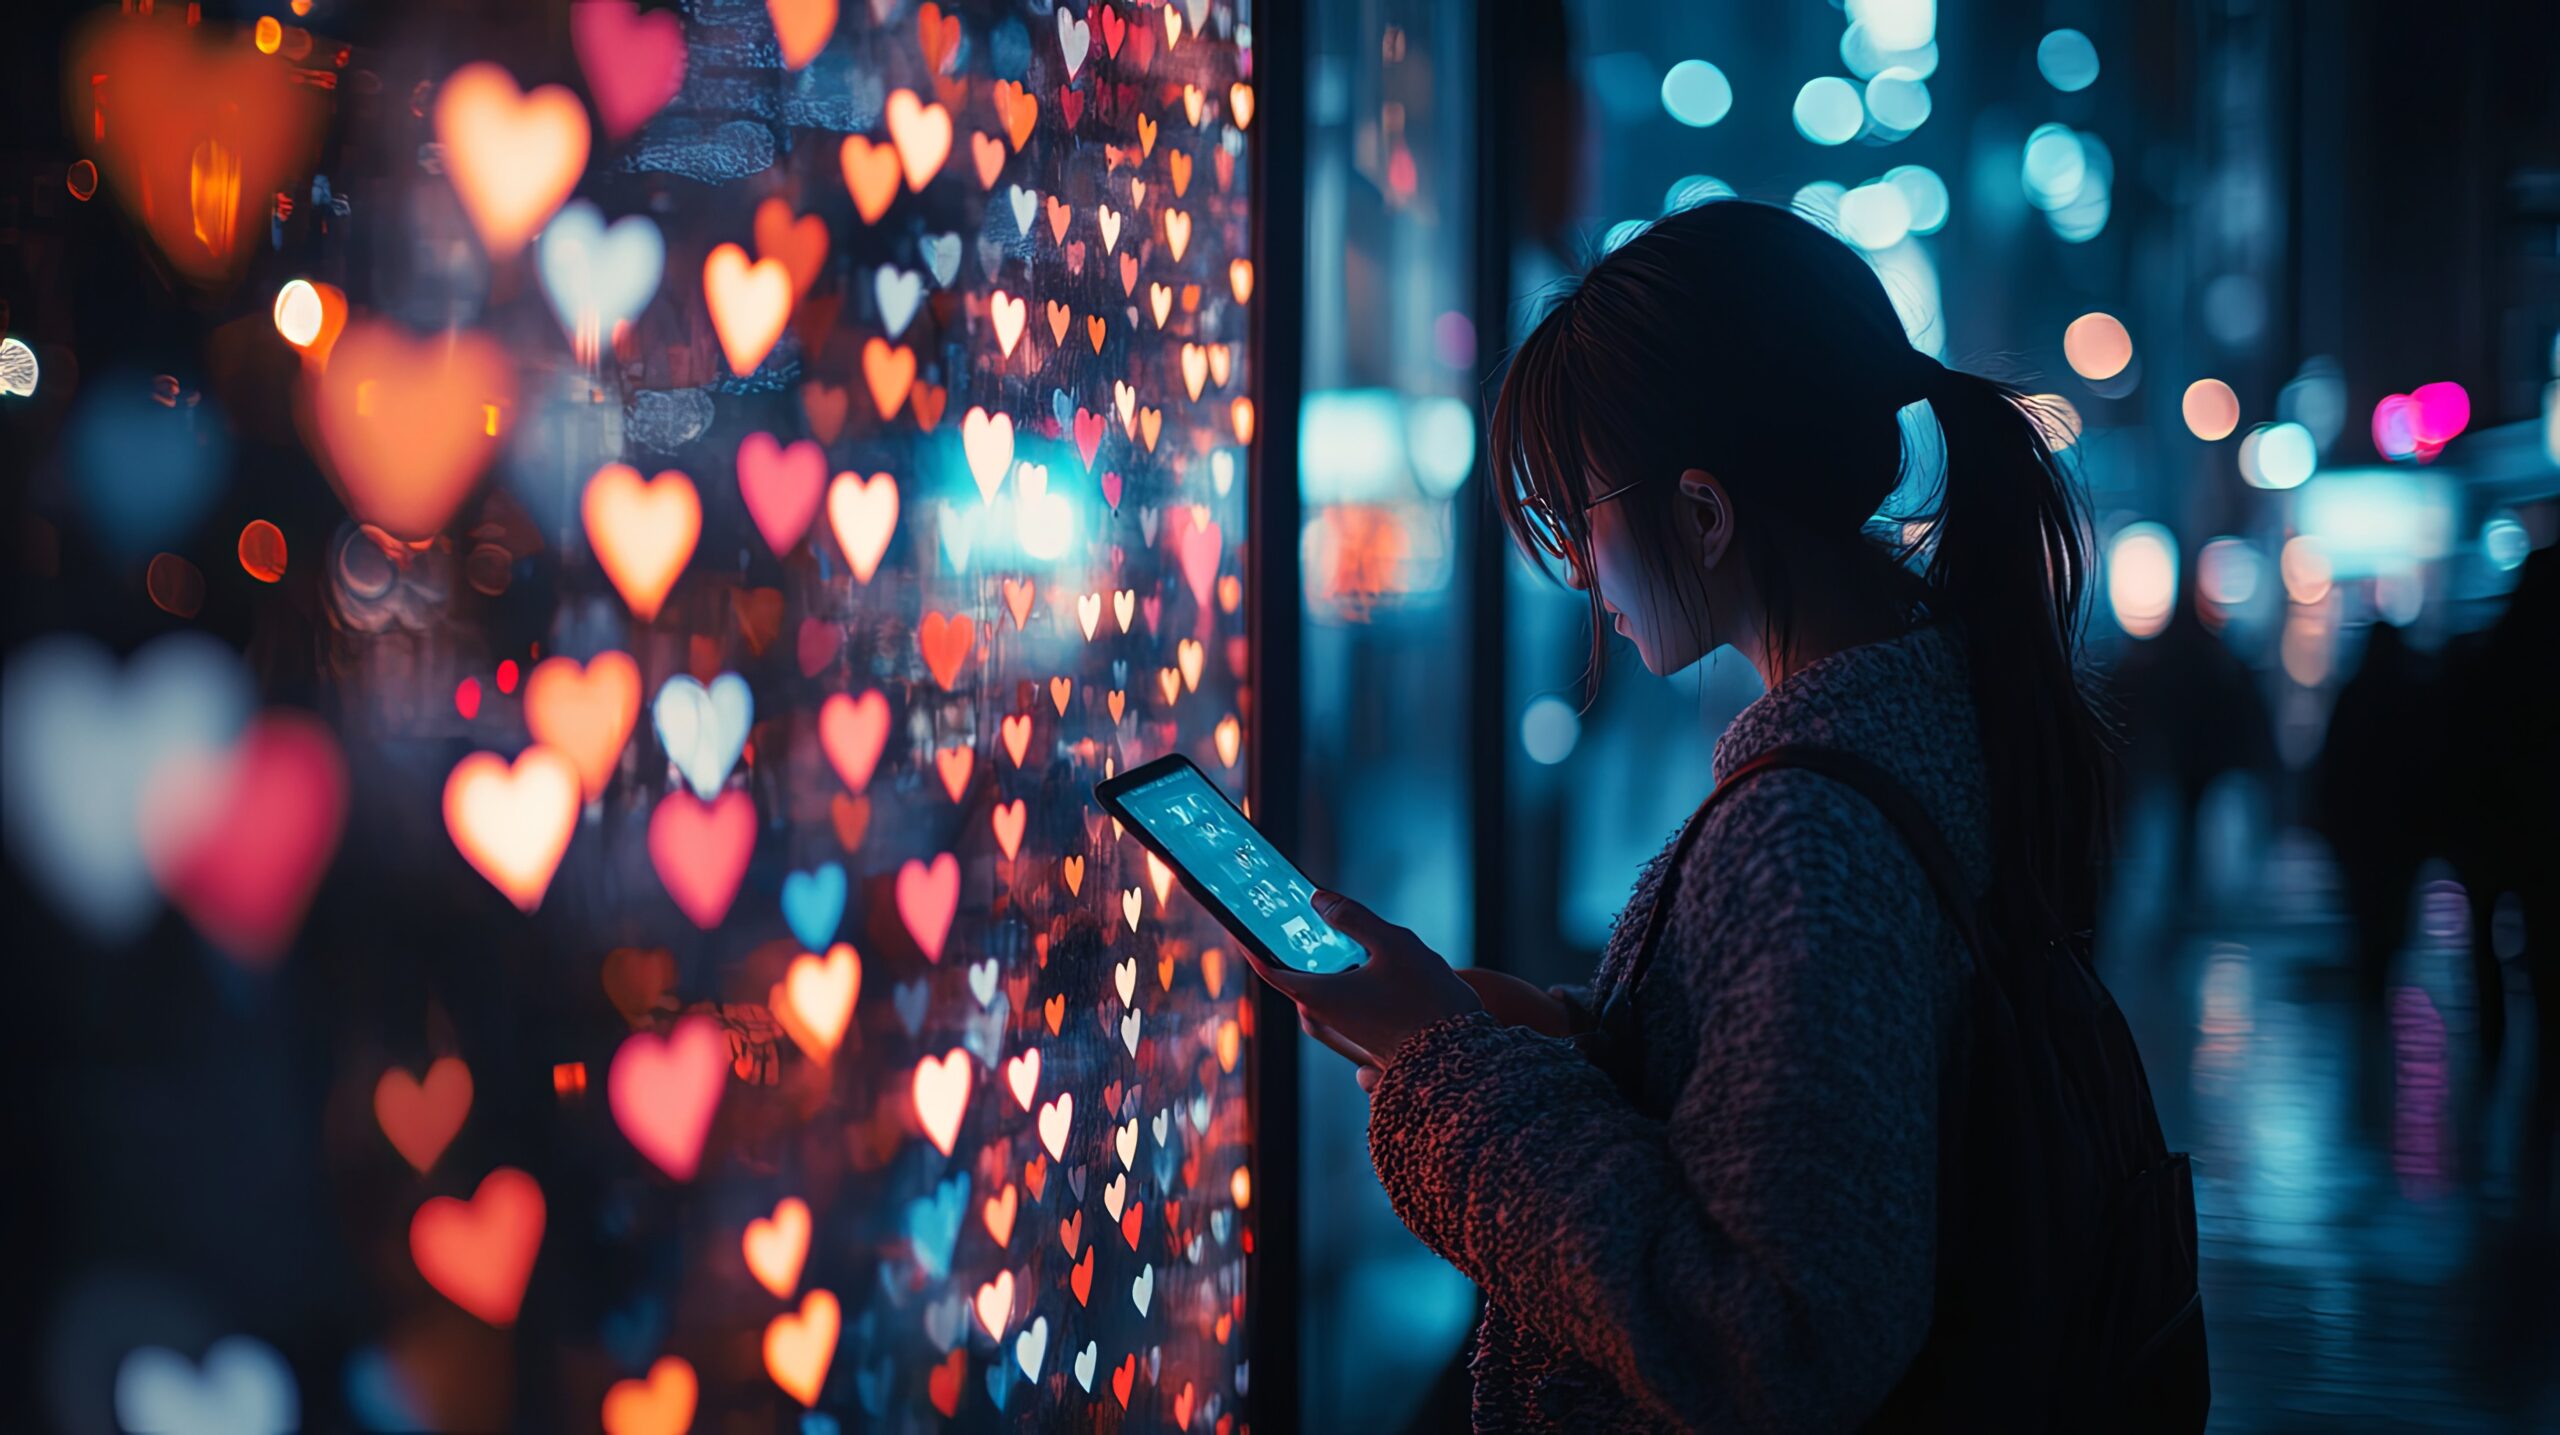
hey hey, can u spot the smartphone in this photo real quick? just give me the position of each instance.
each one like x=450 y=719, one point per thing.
x=1242 y=879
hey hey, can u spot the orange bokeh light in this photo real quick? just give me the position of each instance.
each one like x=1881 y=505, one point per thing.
x=262 y=553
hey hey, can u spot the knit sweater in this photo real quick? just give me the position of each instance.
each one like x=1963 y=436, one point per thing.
x=1751 y=1245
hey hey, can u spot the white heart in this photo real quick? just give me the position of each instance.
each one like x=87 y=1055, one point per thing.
x=899 y=292
x=1143 y=1289
x=243 y=1387
x=704 y=730
x=1056 y=1118
x=593 y=272
x=1086 y=1360
x=982 y=982
x=959 y=535
x=942 y=258
x=1116 y=1195
x=1026 y=205
x=80 y=742
x=1075 y=40
x=1124 y=979
x=1129 y=1031
x=1030 y=1346
x=1125 y=1142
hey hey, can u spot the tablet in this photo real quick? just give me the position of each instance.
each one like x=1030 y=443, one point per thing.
x=1242 y=879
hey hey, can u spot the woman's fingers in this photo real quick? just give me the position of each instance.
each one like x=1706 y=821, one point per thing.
x=1374 y=933
x=1341 y=1044
x=1368 y=1077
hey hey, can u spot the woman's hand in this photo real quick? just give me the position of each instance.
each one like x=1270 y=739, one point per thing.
x=1367 y=1012
x=1514 y=1002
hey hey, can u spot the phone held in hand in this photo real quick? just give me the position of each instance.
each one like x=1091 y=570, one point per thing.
x=1240 y=877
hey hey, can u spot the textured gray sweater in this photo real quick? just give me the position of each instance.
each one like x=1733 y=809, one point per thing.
x=1750 y=1246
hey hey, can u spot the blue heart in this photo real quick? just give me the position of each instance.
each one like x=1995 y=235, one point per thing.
x=1063 y=407
x=910 y=998
x=933 y=1223
x=813 y=904
x=871 y=1387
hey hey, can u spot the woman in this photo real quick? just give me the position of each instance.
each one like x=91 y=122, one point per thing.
x=1739 y=1231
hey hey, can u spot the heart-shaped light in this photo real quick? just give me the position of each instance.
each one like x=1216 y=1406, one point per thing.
x=798 y=1348
x=421 y=1117
x=816 y=996
x=512 y=822
x=864 y=513
x=586 y=712
x=599 y=277
x=408 y=426
x=922 y=133
x=479 y=1253
x=750 y=304
x=941 y=1093
x=928 y=897
x=704 y=730
x=777 y=1245
x=701 y=849
x=513 y=157
x=642 y=530
x=660 y=1405
x=665 y=1090
x=782 y=487
x=634 y=62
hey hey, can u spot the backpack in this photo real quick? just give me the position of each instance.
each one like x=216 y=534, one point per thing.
x=2066 y=1294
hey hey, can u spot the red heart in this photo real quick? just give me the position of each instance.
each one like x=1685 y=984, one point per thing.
x=1126 y=1376
x=819 y=643
x=634 y=62
x=1089 y=429
x=946 y=643
x=240 y=842
x=944 y=1383
x=1114 y=29
x=422 y=1117
x=701 y=849
x=1071 y=107
x=782 y=487
x=479 y=1253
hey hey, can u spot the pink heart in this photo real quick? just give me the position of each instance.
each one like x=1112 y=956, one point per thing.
x=927 y=896
x=1111 y=490
x=1200 y=550
x=665 y=1090
x=1089 y=443
x=634 y=62
x=853 y=730
x=700 y=850
x=782 y=487
x=239 y=842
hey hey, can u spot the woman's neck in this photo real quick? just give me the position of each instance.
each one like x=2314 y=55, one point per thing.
x=1831 y=620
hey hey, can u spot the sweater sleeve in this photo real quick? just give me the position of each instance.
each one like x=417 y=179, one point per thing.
x=1763 y=1258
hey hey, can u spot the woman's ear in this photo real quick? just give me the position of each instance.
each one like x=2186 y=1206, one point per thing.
x=1710 y=513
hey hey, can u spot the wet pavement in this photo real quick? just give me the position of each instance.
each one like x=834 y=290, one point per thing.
x=2354 y=1166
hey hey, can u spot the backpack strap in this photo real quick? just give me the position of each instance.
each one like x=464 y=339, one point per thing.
x=1863 y=776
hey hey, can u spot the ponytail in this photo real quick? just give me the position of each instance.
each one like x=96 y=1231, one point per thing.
x=2009 y=560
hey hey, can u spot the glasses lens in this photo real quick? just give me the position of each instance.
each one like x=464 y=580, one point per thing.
x=1545 y=528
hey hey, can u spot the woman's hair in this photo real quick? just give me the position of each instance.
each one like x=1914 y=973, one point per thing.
x=1741 y=339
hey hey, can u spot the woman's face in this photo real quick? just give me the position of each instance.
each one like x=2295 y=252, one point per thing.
x=1669 y=635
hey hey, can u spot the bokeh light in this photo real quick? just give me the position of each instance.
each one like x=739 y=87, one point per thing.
x=1695 y=189
x=2235 y=309
x=2316 y=399
x=1899 y=100
x=2395 y=427
x=2228 y=572
x=1875 y=216
x=2053 y=166
x=175 y=585
x=2142 y=578
x=1549 y=728
x=2059 y=418
x=2399 y=597
x=2211 y=410
x=2285 y=456
x=2304 y=567
x=2068 y=60
x=1897 y=24
x=19 y=371
x=1925 y=192
x=1820 y=202
x=2097 y=346
x=262 y=554
x=1696 y=93
x=1829 y=111
x=2443 y=412
x=2504 y=542
x=298 y=312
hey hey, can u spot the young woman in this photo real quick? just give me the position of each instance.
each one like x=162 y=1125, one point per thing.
x=1724 y=1214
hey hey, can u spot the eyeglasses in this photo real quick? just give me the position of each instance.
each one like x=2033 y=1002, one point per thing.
x=1548 y=527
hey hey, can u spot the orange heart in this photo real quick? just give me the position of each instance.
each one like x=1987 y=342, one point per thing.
x=1016 y=729
x=1019 y=109
x=1055 y=1008
x=954 y=763
x=776 y=1248
x=922 y=134
x=870 y=176
x=1081 y=1278
x=946 y=643
x=927 y=410
x=514 y=157
x=1018 y=594
x=863 y=513
x=421 y=1117
x=938 y=35
x=799 y=1348
x=800 y=244
x=1240 y=279
x=479 y=1253
x=643 y=532
x=661 y=1405
x=587 y=713
x=408 y=427
x=851 y=817
x=1240 y=104
x=513 y=822
x=889 y=371
x=802 y=28
x=998 y=1212
x=1072 y=868
x=750 y=304
x=191 y=125
x=825 y=405
x=815 y=1001
x=988 y=151
x=1010 y=819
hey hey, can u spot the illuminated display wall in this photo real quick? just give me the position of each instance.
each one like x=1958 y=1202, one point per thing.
x=581 y=690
